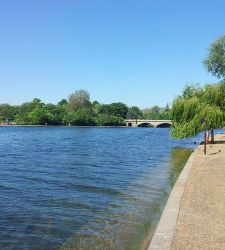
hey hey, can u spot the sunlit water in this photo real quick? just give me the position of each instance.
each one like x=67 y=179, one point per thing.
x=85 y=188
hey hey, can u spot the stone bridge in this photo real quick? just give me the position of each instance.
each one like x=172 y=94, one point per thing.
x=147 y=123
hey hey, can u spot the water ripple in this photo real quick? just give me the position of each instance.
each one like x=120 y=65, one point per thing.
x=84 y=188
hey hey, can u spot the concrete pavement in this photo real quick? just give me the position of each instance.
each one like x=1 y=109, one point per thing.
x=194 y=216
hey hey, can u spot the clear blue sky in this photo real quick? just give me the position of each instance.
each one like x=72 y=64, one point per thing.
x=138 y=52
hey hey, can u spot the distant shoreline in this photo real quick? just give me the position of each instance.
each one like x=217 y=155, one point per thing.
x=64 y=126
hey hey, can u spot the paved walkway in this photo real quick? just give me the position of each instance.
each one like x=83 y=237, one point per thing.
x=201 y=219
x=199 y=223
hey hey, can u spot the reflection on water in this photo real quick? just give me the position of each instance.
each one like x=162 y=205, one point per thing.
x=179 y=157
x=85 y=188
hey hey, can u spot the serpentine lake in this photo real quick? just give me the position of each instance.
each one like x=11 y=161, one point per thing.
x=85 y=188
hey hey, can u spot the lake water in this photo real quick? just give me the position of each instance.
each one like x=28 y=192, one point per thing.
x=85 y=188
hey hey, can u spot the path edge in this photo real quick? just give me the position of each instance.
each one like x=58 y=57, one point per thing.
x=165 y=230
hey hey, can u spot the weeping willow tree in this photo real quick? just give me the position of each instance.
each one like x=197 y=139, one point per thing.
x=196 y=106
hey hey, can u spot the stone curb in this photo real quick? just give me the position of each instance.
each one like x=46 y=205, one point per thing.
x=163 y=235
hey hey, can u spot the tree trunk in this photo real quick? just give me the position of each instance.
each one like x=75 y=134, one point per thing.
x=212 y=135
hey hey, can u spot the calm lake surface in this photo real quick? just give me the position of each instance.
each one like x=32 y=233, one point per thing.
x=85 y=188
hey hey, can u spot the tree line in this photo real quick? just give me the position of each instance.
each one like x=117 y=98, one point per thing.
x=77 y=110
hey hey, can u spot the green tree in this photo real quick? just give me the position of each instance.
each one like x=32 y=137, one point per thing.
x=214 y=94
x=55 y=113
x=38 y=116
x=82 y=117
x=152 y=113
x=63 y=102
x=189 y=112
x=96 y=106
x=104 y=109
x=118 y=109
x=134 y=113
x=79 y=99
x=191 y=90
x=22 y=116
x=7 y=112
x=105 y=119
x=215 y=60
x=165 y=113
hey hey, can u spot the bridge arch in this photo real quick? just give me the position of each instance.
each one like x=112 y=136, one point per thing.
x=145 y=125
x=164 y=125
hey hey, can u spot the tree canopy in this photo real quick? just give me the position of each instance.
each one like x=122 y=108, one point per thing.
x=215 y=60
x=79 y=99
x=134 y=113
x=196 y=106
x=77 y=110
x=157 y=113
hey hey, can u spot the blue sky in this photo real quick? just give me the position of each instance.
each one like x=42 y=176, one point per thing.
x=137 y=52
